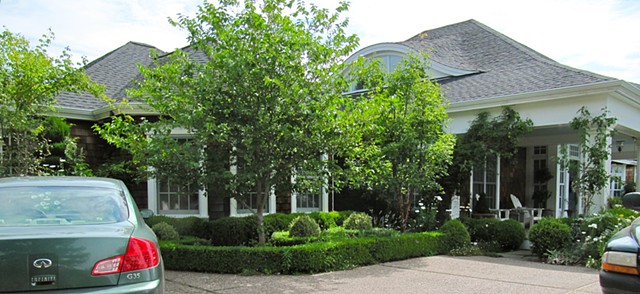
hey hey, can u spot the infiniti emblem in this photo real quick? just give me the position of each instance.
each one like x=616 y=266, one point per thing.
x=42 y=263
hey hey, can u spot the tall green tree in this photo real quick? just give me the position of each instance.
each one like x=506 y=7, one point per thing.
x=402 y=147
x=594 y=133
x=257 y=105
x=29 y=81
x=486 y=137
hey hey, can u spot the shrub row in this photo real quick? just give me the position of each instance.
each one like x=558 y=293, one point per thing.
x=242 y=231
x=507 y=235
x=304 y=258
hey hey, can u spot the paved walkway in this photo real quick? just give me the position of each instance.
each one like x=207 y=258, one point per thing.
x=513 y=273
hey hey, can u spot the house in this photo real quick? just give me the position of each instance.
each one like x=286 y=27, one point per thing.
x=479 y=69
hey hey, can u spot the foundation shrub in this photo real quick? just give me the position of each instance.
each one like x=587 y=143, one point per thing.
x=455 y=235
x=306 y=258
x=549 y=234
x=358 y=221
x=304 y=226
x=509 y=234
x=165 y=231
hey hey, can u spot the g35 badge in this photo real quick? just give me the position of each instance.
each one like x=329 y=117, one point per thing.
x=133 y=276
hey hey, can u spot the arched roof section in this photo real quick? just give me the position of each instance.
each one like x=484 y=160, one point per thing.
x=396 y=51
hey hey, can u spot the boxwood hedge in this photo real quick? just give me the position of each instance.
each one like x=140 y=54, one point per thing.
x=305 y=258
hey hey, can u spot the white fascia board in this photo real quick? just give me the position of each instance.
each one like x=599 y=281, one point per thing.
x=132 y=108
x=537 y=96
x=380 y=48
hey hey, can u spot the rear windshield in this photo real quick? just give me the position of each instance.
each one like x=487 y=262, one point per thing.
x=46 y=206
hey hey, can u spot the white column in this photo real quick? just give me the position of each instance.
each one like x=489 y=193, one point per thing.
x=637 y=151
x=472 y=194
x=602 y=203
x=152 y=195
x=497 y=182
x=203 y=205
x=324 y=191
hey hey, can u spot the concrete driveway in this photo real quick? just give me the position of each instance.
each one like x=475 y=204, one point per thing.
x=436 y=274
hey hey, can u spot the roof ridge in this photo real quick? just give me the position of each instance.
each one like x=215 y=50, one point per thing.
x=95 y=61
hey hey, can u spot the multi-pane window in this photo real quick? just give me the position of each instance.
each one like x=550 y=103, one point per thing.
x=307 y=202
x=249 y=203
x=484 y=181
x=617 y=183
x=539 y=168
x=176 y=199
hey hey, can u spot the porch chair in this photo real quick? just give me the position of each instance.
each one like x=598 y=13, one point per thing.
x=525 y=215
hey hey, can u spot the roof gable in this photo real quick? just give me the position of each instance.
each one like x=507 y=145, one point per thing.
x=115 y=70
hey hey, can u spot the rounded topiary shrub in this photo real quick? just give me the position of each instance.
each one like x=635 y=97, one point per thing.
x=304 y=226
x=455 y=235
x=549 y=234
x=358 y=221
x=509 y=234
x=165 y=231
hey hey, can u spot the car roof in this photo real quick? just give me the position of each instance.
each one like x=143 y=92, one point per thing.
x=60 y=181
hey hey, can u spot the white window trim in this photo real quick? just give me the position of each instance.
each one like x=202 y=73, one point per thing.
x=153 y=193
x=234 y=211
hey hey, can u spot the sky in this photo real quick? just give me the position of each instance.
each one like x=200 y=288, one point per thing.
x=601 y=36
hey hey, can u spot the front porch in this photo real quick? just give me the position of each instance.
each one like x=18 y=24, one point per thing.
x=540 y=185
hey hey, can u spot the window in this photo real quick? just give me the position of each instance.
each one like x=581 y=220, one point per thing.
x=56 y=205
x=388 y=63
x=308 y=202
x=617 y=183
x=484 y=181
x=174 y=199
x=250 y=204
x=540 y=168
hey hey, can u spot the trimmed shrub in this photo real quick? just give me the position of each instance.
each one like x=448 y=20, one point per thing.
x=304 y=226
x=495 y=235
x=549 y=234
x=165 y=231
x=481 y=229
x=282 y=238
x=455 y=235
x=231 y=231
x=277 y=222
x=305 y=258
x=509 y=234
x=187 y=226
x=358 y=221
x=326 y=220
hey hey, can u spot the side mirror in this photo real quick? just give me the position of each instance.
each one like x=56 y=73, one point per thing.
x=631 y=201
x=146 y=213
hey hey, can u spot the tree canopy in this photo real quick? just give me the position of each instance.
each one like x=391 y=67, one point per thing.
x=29 y=81
x=486 y=137
x=400 y=147
x=253 y=92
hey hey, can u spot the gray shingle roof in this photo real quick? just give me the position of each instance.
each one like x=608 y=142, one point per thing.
x=507 y=67
x=115 y=70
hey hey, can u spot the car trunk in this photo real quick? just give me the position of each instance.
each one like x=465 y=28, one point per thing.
x=36 y=258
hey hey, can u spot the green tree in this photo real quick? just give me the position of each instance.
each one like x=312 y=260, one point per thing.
x=485 y=138
x=399 y=122
x=594 y=132
x=29 y=81
x=256 y=92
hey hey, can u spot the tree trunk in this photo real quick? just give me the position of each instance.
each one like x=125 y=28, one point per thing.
x=261 y=198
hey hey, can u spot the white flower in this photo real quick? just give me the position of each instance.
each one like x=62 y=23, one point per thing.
x=438 y=198
x=594 y=225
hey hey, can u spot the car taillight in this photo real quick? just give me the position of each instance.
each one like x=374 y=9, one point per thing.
x=140 y=254
x=620 y=262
